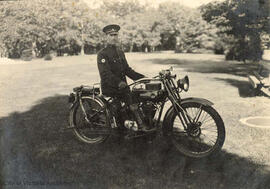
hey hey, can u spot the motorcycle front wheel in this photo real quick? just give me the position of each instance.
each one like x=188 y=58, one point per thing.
x=205 y=133
x=95 y=129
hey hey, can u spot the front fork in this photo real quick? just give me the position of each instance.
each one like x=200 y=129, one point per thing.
x=175 y=99
x=184 y=116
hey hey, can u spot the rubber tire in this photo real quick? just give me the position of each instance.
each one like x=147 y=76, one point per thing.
x=72 y=117
x=220 y=130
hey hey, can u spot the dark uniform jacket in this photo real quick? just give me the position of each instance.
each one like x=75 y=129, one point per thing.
x=113 y=68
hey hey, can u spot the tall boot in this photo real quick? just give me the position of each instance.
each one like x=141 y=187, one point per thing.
x=144 y=127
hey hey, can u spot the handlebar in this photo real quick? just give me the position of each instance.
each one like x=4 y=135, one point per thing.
x=162 y=74
x=167 y=73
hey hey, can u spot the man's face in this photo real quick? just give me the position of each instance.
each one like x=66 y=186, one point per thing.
x=112 y=38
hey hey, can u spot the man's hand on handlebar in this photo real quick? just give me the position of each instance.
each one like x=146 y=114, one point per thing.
x=122 y=85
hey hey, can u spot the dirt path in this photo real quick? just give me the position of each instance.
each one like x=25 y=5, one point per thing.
x=35 y=154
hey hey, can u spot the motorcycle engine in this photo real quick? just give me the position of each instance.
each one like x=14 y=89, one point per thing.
x=149 y=110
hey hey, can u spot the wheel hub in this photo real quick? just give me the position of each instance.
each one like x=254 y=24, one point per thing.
x=194 y=129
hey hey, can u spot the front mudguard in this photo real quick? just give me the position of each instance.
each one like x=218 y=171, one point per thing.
x=183 y=101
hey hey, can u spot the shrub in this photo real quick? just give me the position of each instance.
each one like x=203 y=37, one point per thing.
x=27 y=55
x=47 y=57
x=219 y=47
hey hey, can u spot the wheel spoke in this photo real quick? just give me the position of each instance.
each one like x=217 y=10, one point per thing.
x=213 y=142
x=178 y=121
x=207 y=120
x=208 y=126
x=209 y=130
x=204 y=114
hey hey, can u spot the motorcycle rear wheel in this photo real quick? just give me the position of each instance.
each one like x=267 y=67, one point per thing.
x=98 y=129
x=197 y=141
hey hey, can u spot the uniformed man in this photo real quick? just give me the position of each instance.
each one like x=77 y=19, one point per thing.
x=113 y=69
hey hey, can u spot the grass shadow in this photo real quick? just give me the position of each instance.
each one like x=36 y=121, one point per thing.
x=35 y=153
x=208 y=66
x=244 y=87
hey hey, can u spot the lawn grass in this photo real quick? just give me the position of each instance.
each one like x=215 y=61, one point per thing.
x=34 y=110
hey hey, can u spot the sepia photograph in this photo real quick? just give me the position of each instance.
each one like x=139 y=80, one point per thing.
x=134 y=94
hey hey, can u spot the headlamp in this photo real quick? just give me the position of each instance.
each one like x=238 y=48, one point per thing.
x=183 y=83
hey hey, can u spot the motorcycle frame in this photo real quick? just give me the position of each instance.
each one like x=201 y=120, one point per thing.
x=173 y=96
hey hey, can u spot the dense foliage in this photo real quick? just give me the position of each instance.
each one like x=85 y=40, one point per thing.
x=243 y=24
x=71 y=27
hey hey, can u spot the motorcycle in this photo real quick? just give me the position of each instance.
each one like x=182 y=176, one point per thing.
x=192 y=125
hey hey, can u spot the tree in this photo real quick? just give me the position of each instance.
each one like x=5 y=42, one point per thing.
x=241 y=23
x=13 y=19
x=45 y=26
x=27 y=24
x=150 y=28
x=184 y=30
x=126 y=14
x=121 y=9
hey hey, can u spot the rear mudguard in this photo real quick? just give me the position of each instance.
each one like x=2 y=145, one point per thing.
x=100 y=99
x=97 y=97
x=183 y=101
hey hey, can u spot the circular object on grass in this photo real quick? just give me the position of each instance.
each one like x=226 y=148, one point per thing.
x=257 y=121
